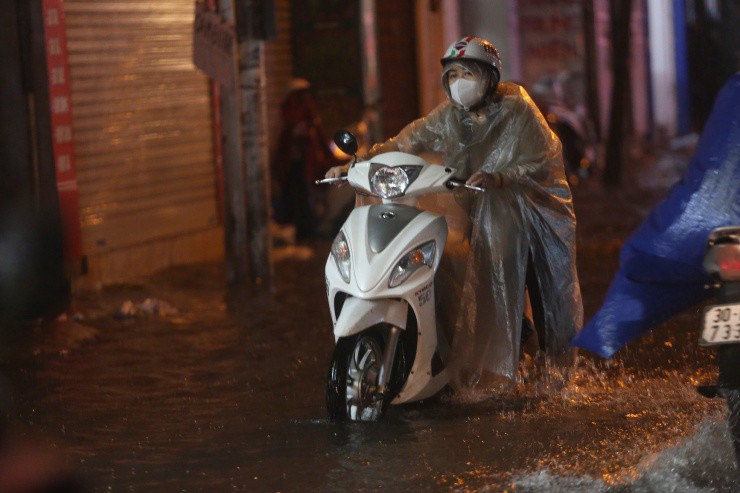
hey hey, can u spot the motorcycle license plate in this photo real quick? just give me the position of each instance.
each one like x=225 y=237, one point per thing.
x=721 y=325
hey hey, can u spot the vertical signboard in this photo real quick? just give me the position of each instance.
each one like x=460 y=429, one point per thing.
x=551 y=38
x=213 y=46
x=61 y=126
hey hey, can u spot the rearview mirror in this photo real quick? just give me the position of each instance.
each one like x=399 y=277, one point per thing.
x=346 y=142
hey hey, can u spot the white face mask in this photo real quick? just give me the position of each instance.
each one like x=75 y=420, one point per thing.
x=467 y=92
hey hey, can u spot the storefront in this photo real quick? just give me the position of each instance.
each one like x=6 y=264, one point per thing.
x=133 y=136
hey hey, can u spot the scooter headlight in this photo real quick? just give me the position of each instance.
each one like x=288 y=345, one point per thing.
x=341 y=254
x=411 y=262
x=389 y=182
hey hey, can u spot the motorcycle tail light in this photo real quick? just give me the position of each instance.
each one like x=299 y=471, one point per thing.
x=728 y=260
x=724 y=260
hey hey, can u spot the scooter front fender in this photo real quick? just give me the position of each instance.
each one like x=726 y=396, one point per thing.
x=359 y=314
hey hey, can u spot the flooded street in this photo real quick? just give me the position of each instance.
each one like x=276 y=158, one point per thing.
x=154 y=154
x=228 y=394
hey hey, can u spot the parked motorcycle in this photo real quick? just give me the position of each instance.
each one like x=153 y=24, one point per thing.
x=560 y=99
x=721 y=322
x=380 y=287
x=580 y=147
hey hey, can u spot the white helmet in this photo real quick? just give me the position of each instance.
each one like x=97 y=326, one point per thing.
x=474 y=48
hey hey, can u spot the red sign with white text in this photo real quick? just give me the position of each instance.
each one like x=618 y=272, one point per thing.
x=60 y=101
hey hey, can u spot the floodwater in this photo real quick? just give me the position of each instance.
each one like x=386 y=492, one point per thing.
x=227 y=394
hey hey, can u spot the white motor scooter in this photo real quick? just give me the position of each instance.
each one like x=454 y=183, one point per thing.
x=380 y=285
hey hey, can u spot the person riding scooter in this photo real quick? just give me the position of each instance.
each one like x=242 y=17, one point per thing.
x=522 y=230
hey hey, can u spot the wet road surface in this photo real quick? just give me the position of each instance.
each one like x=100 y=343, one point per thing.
x=227 y=394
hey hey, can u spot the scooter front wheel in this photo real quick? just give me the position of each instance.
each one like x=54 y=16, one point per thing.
x=352 y=388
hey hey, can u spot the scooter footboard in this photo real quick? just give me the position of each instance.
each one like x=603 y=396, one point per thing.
x=359 y=314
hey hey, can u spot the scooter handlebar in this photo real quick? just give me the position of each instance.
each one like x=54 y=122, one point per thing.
x=451 y=183
x=329 y=181
x=457 y=183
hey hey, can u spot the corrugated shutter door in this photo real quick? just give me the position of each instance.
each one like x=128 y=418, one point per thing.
x=142 y=122
x=279 y=68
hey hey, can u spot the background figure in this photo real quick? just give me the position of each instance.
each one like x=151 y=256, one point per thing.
x=302 y=156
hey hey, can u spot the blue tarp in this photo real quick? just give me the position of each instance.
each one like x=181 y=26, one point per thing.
x=660 y=270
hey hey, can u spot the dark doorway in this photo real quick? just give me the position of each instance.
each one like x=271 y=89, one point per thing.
x=32 y=278
x=713 y=45
x=397 y=54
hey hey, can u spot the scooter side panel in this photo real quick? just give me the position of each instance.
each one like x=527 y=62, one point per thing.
x=421 y=383
x=373 y=269
x=370 y=271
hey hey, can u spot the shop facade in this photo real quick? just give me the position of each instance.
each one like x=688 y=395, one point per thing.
x=135 y=125
x=133 y=137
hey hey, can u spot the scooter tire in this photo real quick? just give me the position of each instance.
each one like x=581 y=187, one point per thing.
x=336 y=382
x=733 y=405
x=728 y=359
x=336 y=386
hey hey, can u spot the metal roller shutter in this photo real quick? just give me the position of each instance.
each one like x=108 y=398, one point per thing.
x=142 y=122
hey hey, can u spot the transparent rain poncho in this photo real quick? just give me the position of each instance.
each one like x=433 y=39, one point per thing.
x=496 y=235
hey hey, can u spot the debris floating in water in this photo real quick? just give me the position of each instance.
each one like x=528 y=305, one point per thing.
x=147 y=308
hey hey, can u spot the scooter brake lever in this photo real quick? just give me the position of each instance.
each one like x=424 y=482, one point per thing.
x=328 y=181
x=455 y=183
x=474 y=188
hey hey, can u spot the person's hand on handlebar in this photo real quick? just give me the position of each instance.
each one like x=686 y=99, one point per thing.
x=485 y=180
x=337 y=172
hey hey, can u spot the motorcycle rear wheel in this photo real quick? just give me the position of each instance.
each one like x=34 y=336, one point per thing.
x=733 y=405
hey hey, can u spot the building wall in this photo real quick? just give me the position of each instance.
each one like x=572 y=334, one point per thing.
x=326 y=50
x=279 y=69
x=713 y=53
x=17 y=169
x=397 y=61
x=491 y=21
x=640 y=69
x=32 y=278
x=437 y=26
x=640 y=46
x=542 y=38
x=662 y=66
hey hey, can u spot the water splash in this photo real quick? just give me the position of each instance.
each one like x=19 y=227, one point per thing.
x=703 y=463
